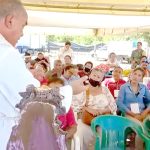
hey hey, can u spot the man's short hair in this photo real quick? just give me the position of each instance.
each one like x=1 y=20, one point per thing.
x=80 y=66
x=27 y=54
x=89 y=62
x=139 y=43
x=68 y=67
x=57 y=61
x=9 y=6
x=144 y=57
x=68 y=43
x=68 y=57
x=117 y=67
x=40 y=53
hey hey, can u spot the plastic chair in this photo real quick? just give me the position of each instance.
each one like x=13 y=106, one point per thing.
x=146 y=124
x=113 y=132
x=75 y=143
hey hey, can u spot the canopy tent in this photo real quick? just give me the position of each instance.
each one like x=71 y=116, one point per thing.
x=103 y=16
x=100 y=24
x=113 y=7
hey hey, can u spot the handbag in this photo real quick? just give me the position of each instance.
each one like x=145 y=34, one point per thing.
x=86 y=116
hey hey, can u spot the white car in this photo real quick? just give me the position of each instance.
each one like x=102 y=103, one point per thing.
x=100 y=53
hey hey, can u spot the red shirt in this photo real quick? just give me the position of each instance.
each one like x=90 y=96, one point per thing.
x=67 y=119
x=82 y=73
x=44 y=81
x=112 y=85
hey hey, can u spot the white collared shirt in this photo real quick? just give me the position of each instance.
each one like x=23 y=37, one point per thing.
x=63 y=53
x=14 y=78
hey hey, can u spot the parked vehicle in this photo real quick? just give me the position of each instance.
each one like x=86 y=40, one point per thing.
x=100 y=53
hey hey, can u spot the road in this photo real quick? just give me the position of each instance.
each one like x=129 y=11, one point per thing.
x=82 y=57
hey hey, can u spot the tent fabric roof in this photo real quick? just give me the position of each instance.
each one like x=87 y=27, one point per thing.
x=101 y=24
x=91 y=14
x=113 y=7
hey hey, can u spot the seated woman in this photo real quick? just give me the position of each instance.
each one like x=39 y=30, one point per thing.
x=68 y=123
x=115 y=82
x=99 y=101
x=144 y=65
x=42 y=59
x=134 y=99
x=67 y=60
x=56 y=71
x=86 y=69
x=112 y=61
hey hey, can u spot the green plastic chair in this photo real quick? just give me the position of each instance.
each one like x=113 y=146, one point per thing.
x=146 y=124
x=114 y=130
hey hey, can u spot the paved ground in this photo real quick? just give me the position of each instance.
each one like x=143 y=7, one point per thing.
x=82 y=57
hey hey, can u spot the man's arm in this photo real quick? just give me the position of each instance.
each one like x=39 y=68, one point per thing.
x=132 y=57
x=67 y=91
x=143 y=53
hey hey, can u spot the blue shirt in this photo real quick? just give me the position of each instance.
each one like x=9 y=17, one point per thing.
x=69 y=80
x=127 y=97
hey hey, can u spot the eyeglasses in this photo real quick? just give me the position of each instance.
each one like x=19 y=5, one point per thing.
x=145 y=62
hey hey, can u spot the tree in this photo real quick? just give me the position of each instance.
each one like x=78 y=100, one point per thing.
x=146 y=36
x=85 y=40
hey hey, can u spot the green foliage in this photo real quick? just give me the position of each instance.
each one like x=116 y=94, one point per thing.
x=50 y=38
x=91 y=39
x=55 y=38
x=146 y=36
x=140 y=36
x=84 y=40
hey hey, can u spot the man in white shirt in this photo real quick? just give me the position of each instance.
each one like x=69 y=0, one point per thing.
x=66 y=50
x=14 y=76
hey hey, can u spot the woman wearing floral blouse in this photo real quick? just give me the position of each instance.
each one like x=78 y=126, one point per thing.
x=100 y=102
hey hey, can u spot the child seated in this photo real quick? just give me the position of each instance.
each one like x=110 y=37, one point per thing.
x=68 y=123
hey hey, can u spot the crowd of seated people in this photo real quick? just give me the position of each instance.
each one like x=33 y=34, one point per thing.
x=102 y=95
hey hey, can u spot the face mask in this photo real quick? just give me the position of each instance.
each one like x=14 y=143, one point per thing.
x=94 y=83
x=87 y=69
